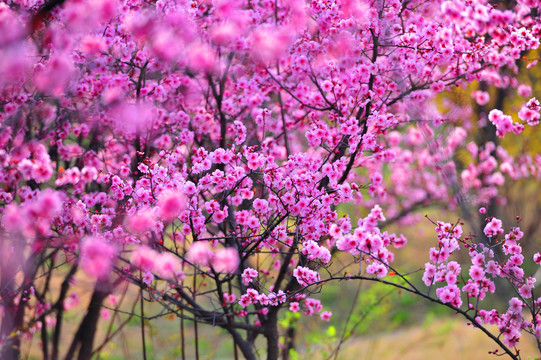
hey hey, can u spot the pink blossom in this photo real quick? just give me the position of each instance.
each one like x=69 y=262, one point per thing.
x=294 y=307
x=219 y=216
x=312 y=306
x=112 y=299
x=56 y=74
x=199 y=253
x=481 y=97
x=530 y=113
x=428 y=275
x=493 y=228
x=305 y=276
x=202 y=58
x=226 y=260
x=449 y=294
x=515 y=305
x=97 y=257
x=141 y=222
x=171 y=203
x=168 y=266
x=105 y=314
x=251 y=297
x=144 y=258
x=477 y=272
x=524 y=90
x=269 y=44
x=193 y=135
x=326 y=315
x=229 y=298
x=248 y=275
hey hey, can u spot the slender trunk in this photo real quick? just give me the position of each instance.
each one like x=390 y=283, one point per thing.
x=289 y=341
x=10 y=349
x=271 y=334
x=143 y=342
x=245 y=347
x=84 y=338
x=60 y=312
x=13 y=319
x=93 y=315
x=44 y=340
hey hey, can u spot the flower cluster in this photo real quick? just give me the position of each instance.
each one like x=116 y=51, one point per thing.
x=203 y=149
x=482 y=274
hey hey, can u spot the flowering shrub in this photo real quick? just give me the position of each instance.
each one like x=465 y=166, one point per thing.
x=198 y=150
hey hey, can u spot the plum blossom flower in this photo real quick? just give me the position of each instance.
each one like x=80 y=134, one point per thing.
x=147 y=277
x=170 y=204
x=477 y=273
x=537 y=258
x=226 y=260
x=515 y=305
x=493 y=228
x=305 y=276
x=524 y=90
x=326 y=315
x=141 y=222
x=200 y=253
x=168 y=266
x=144 y=258
x=97 y=257
x=248 y=275
x=294 y=307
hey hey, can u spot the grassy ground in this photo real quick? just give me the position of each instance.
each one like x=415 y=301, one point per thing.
x=447 y=339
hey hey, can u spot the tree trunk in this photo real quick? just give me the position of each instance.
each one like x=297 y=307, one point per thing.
x=245 y=347
x=87 y=330
x=271 y=334
x=10 y=349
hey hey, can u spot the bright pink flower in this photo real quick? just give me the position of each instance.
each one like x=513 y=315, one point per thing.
x=313 y=306
x=305 y=276
x=294 y=307
x=515 y=305
x=97 y=257
x=56 y=74
x=449 y=294
x=168 y=266
x=248 y=275
x=144 y=258
x=524 y=90
x=481 y=97
x=170 y=204
x=477 y=273
x=105 y=314
x=202 y=58
x=269 y=43
x=141 y=222
x=326 y=315
x=71 y=301
x=48 y=204
x=199 y=253
x=493 y=228
x=219 y=216
x=112 y=299
x=229 y=298
x=226 y=260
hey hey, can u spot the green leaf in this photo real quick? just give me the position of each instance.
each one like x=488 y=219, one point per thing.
x=331 y=331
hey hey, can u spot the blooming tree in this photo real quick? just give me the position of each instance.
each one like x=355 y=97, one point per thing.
x=198 y=150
